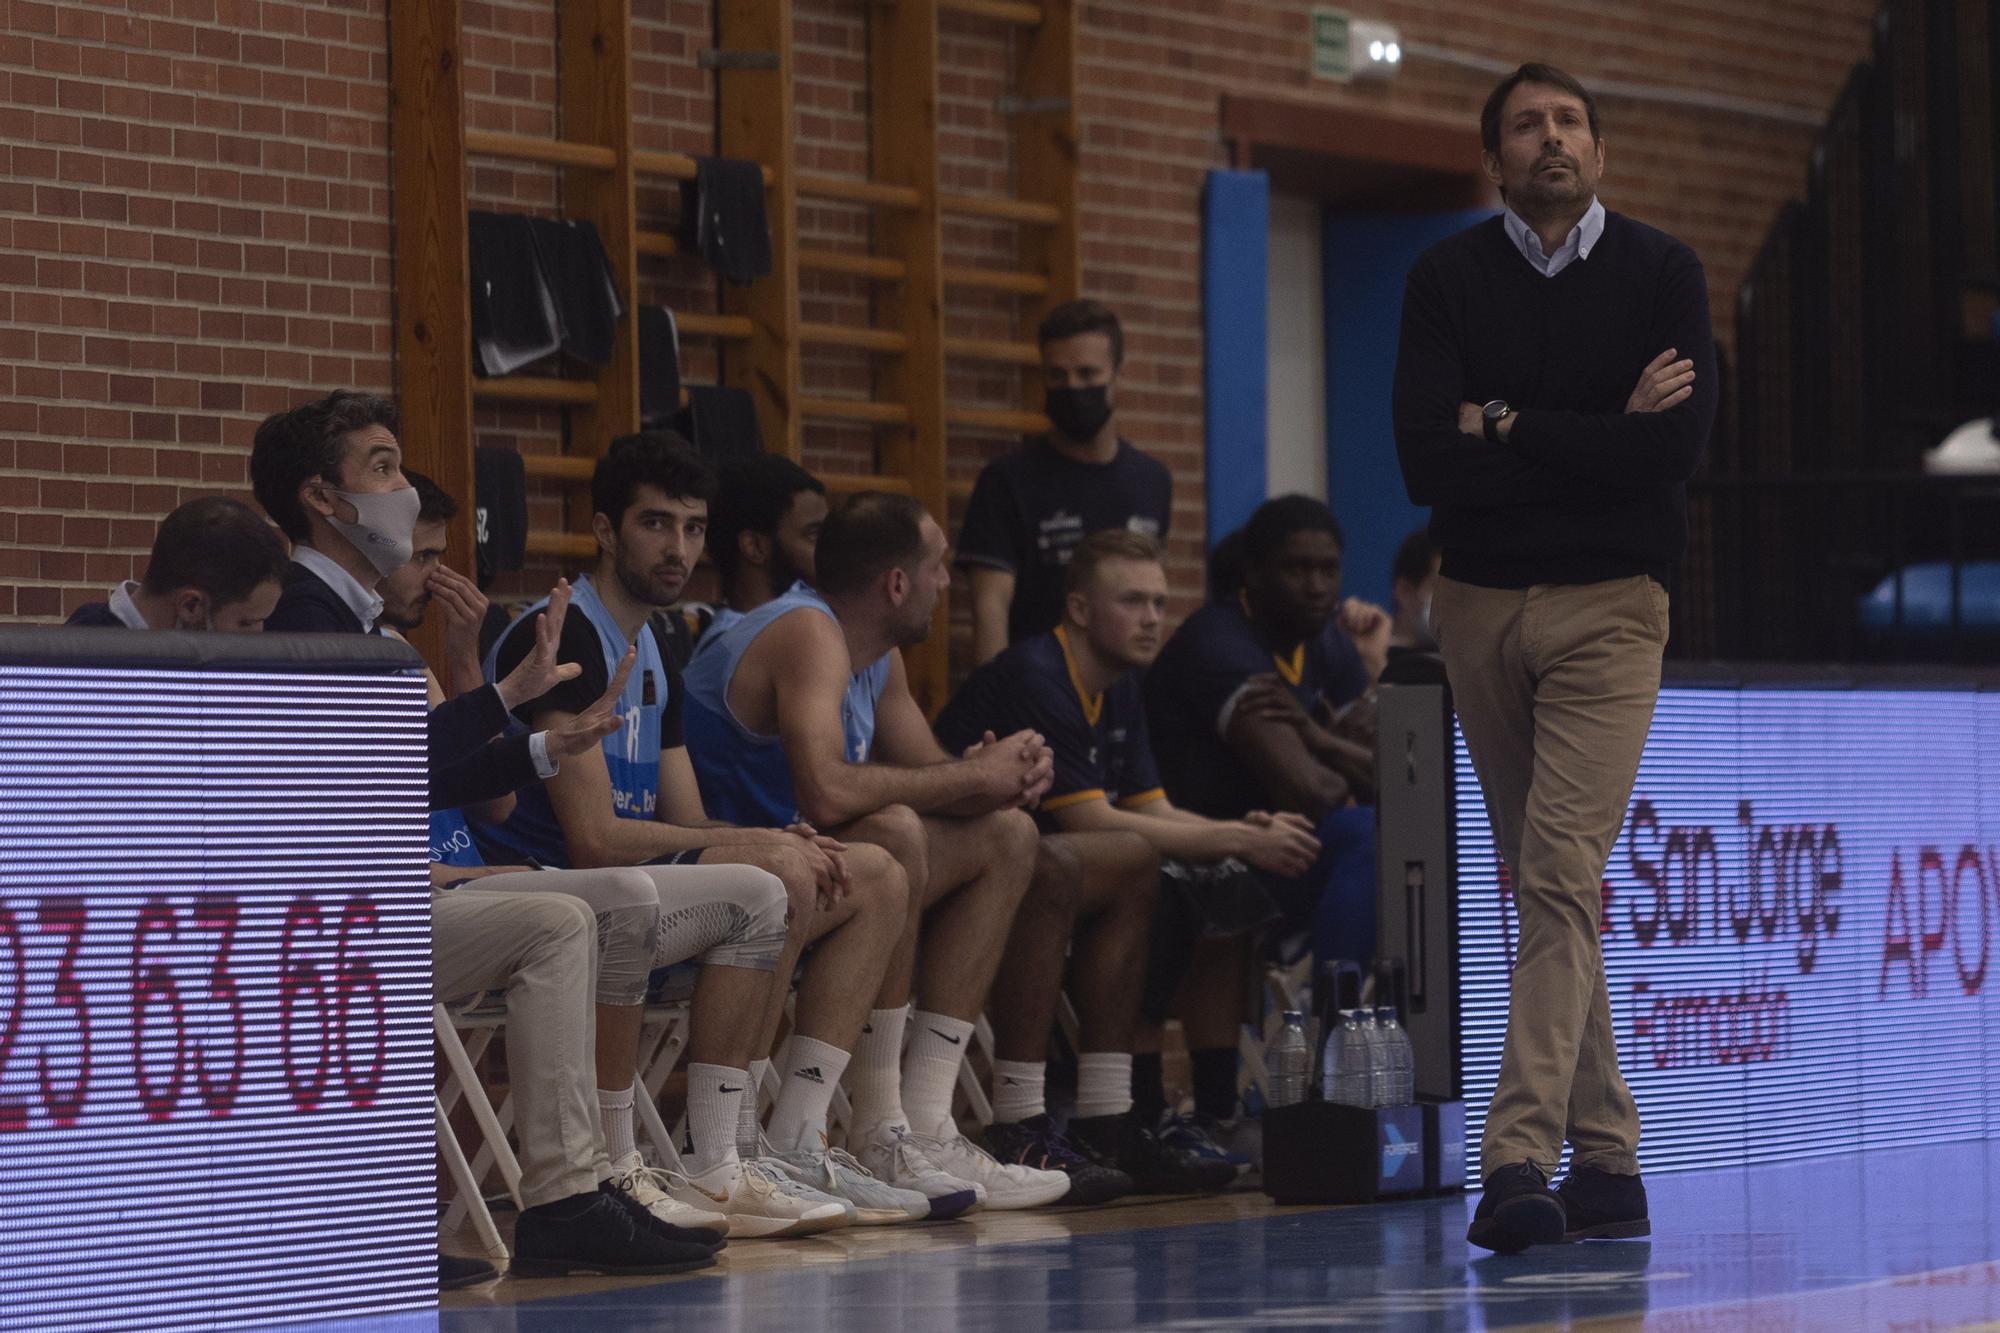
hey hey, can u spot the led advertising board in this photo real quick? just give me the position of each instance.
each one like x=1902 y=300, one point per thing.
x=215 y=1063
x=1800 y=927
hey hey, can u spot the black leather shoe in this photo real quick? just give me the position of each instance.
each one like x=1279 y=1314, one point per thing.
x=1518 y=1209
x=596 y=1233
x=1600 y=1205
x=707 y=1237
x=455 y=1272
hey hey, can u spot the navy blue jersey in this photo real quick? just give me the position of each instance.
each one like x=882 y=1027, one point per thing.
x=1030 y=508
x=1100 y=742
x=1194 y=685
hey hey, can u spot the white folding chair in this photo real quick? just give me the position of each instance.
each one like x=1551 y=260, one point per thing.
x=663 y=1039
x=462 y=1082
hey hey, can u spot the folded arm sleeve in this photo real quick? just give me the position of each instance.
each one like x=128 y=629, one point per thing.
x=1639 y=448
x=496 y=769
x=1442 y=464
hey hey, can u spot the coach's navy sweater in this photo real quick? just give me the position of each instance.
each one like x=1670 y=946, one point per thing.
x=1581 y=491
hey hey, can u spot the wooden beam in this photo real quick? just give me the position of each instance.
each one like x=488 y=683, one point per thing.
x=532 y=389
x=860 y=266
x=867 y=340
x=882 y=194
x=559 y=467
x=656 y=243
x=986 y=349
x=594 y=55
x=755 y=122
x=903 y=128
x=548 y=152
x=679 y=166
x=1001 y=208
x=1045 y=171
x=714 y=326
x=980 y=418
x=847 y=483
x=562 y=545
x=855 y=409
x=433 y=303
x=1005 y=11
x=996 y=279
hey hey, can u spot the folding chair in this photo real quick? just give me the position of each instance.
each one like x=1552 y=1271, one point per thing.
x=462 y=1081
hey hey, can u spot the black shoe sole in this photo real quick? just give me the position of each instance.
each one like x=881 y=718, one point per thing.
x=948 y=1206
x=1630 y=1230
x=532 y=1268
x=1526 y=1219
x=470 y=1280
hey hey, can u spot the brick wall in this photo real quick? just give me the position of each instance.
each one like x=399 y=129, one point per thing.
x=194 y=207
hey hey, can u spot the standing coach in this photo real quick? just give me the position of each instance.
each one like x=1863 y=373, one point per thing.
x=1555 y=386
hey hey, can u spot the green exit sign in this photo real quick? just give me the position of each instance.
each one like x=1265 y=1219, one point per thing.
x=1333 y=53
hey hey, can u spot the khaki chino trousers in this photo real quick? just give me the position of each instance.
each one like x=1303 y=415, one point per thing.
x=1555 y=687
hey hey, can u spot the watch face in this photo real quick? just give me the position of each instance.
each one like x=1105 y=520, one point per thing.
x=1494 y=410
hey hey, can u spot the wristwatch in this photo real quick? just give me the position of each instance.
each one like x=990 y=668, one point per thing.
x=1490 y=417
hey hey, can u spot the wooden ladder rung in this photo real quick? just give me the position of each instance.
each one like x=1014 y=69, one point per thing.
x=570 y=545
x=714 y=326
x=840 y=335
x=864 y=266
x=677 y=165
x=980 y=418
x=1007 y=11
x=655 y=243
x=855 y=409
x=1001 y=207
x=861 y=191
x=561 y=467
x=846 y=483
x=529 y=148
x=533 y=389
x=985 y=349
x=958 y=488
x=997 y=279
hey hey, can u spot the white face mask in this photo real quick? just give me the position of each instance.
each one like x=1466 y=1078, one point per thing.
x=385 y=526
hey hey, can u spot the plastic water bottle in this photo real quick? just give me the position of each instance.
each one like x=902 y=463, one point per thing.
x=1289 y=1061
x=1378 y=1059
x=1346 y=1078
x=1402 y=1058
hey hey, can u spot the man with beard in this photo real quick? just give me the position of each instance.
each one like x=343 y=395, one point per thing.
x=802 y=710
x=635 y=801
x=762 y=530
x=1030 y=508
x=1555 y=387
x=1079 y=686
x=1257 y=704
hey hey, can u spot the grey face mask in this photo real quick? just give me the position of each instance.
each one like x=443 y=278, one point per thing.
x=385 y=526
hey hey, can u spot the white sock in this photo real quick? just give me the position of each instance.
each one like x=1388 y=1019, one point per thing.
x=748 y=1129
x=614 y=1108
x=875 y=1078
x=1103 y=1083
x=715 y=1097
x=930 y=1071
x=812 y=1071
x=1017 y=1090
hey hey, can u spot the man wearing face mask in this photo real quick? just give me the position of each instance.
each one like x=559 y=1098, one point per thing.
x=215 y=565
x=1031 y=507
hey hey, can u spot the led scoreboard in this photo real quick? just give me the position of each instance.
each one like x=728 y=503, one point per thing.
x=1801 y=922
x=215 y=1066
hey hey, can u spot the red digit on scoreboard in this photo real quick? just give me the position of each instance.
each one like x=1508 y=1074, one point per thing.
x=357 y=978
x=154 y=982
x=300 y=983
x=219 y=1086
x=64 y=916
x=13 y=1114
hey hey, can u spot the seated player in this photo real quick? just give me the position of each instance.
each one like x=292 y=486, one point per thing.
x=634 y=801
x=1079 y=686
x=763 y=527
x=215 y=565
x=1243 y=707
x=801 y=710
x=540 y=950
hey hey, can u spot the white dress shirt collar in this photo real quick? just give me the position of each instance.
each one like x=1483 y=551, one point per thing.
x=125 y=608
x=363 y=601
x=1582 y=238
